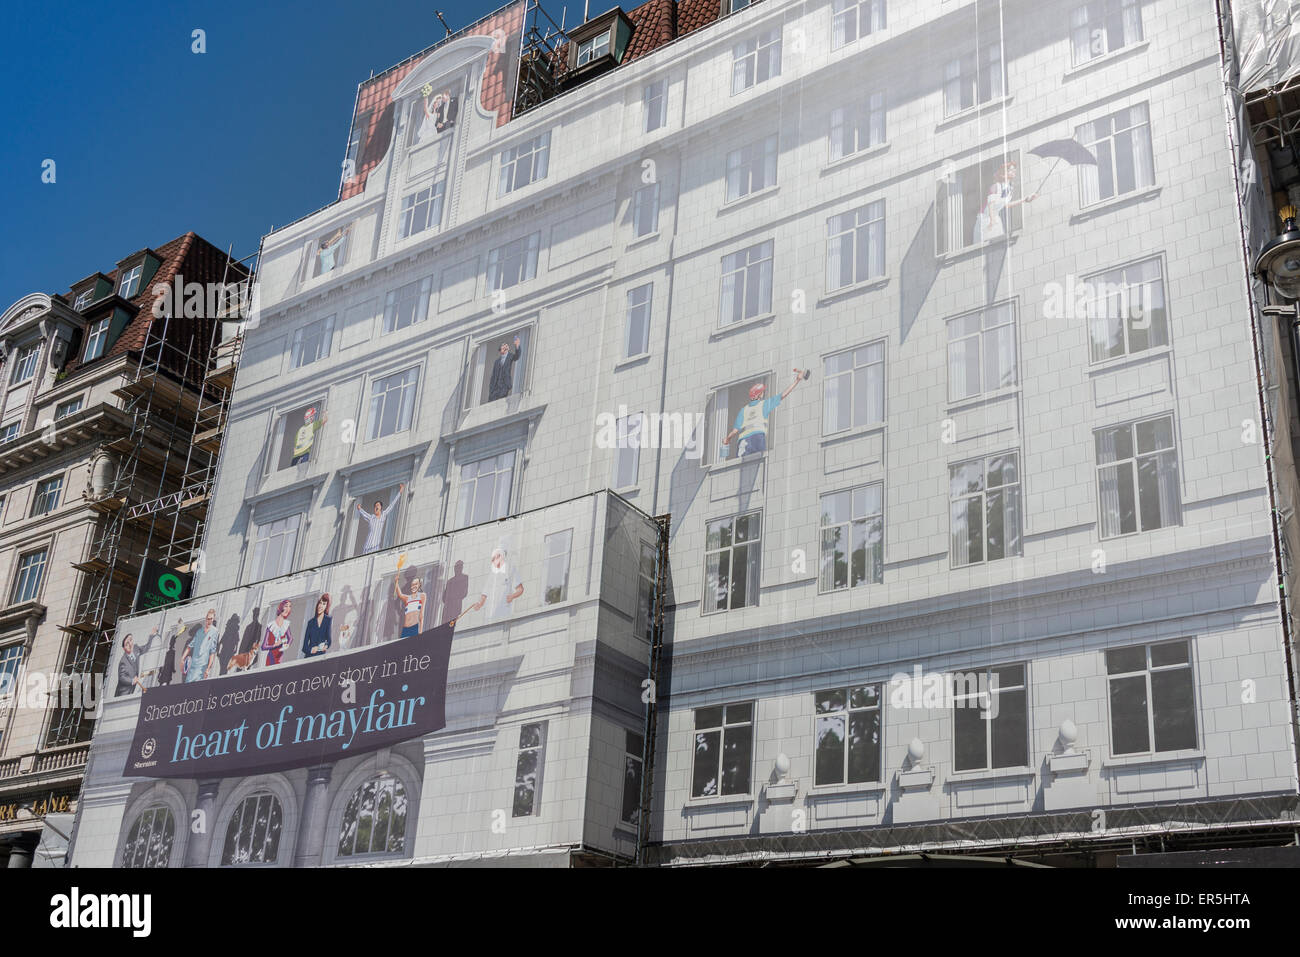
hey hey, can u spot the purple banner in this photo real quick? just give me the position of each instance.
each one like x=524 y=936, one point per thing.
x=293 y=716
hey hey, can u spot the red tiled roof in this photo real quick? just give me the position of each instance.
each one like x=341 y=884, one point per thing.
x=653 y=25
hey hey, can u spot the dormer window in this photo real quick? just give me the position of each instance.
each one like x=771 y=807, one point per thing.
x=129 y=285
x=25 y=364
x=589 y=50
x=96 y=338
x=599 y=43
x=84 y=299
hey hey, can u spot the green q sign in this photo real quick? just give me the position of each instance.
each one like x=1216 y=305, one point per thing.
x=160 y=585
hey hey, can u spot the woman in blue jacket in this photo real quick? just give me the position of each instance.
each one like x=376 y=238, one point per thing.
x=316 y=637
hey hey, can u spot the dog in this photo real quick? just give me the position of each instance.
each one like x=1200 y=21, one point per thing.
x=242 y=662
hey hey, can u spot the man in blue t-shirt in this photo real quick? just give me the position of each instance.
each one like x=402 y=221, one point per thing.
x=752 y=420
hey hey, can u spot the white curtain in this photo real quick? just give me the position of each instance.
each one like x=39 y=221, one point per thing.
x=1089 y=180
x=1108 y=482
x=1167 y=478
x=1143 y=166
x=956 y=216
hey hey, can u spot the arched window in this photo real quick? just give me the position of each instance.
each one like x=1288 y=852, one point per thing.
x=253 y=835
x=374 y=821
x=149 y=842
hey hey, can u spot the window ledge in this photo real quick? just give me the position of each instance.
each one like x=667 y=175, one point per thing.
x=748 y=198
x=1133 y=358
x=834 y=166
x=846 y=435
x=714 y=468
x=1114 y=203
x=878 y=282
x=973 y=401
x=1100 y=62
x=974 y=249
x=991 y=774
x=1163 y=757
x=631 y=361
x=840 y=790
x=741 y=326
x=718 y=801
x=998 y=102
x=646 y=240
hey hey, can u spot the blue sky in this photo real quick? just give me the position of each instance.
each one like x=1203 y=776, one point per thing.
x=151 y=140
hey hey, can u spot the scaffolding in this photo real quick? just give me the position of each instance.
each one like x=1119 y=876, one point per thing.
x=540 y=63
x=154 y=506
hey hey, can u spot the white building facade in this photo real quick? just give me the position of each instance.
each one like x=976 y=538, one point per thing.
x=989 y=258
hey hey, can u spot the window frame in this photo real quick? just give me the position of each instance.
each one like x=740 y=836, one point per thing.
x=1100 y=280
x=19 y=592
x=760 y=256
x=45 y=490
x=27 y=359
x=753 y=546
x=655 y=91
x=548 y=553
x=973 y=82
x=862 y=115
x=849 y=524
x=1091 y=144
x=237 y=815
x=829 y=377
x=324 y=340
x=846 y=712
x=433 y=203
x=1135 y=473
x=535 y=152
x=130 y=278
x=466 y=520
x=535 y=808
x=257 y=554
x=1011 y=307
x=412 y=413
x=632 y=756
x=749 y=163
x=96 y=339
x=984 y=511
x=767 y=49
x=721 y=728
x=868 y=226
x=61 y=410
x=987 y=723
x=644 y=312
x=529 y=254
x=1095 y=27
x=875 y=10
x=1147 y=671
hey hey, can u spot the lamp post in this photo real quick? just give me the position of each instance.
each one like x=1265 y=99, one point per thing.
x=1278 y=263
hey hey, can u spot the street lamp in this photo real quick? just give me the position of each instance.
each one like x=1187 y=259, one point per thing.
x=1278 y=263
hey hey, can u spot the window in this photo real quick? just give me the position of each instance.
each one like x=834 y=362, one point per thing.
x=627 y=457
x=977 y=203
x=857 y=127
x=528 y=769
x=1122 y=144
x=724 y=745
x=9 y=431
x=852 y=19
x=852 y=538
x=740 y=411
x=130 y=282
x=647 y=574
x=747 y=284
x=513 y=263
x=1137 y=477
x=732 y=551
x=67 y=408
x=96 y=338
x=422 y=209
x=274 y=550
x=593 y=48
x=25 y=363
x=374 y=820
x=751 y=168
x=973 y=79
x=149 y=842
x=1104 y=26
x=654 y=105
x=555 y=566
x=853 y=388
x=846 y=735
x=392 y=403
x=331 y=251
x=645 y=210
x=1152 y=698
x=312 y=342
x=253 y=835
x=855 y=246
x=633 y=767
x=524 y=164
x=368 y=534
x=990 y=724
x=981 y=352
x=499 y=368
x=985 y=509
x=434 y=113
x=755 y=60
x=11 y=658
x=356 y=145
x=46 y=499
x=732 y=6
x=293 y=440
x=84 y=299
x=27 y=583
x=485 y=488
x=636 y=341
x=1126 y=310
x=407 y=304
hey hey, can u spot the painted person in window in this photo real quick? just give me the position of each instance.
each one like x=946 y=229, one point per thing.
x=330 y=247
x=503 y=374
x=413 y=602
x=200 y=658
x=128 y=669
x=278 y=636
x=316 y=636
x=503 y=587
x=991 y=222
x=377 y=520
x=754 y=417
x=306 y=437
